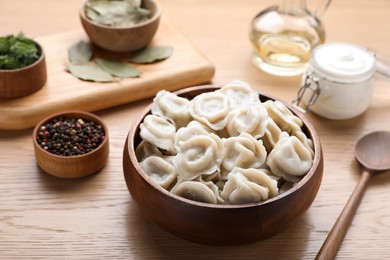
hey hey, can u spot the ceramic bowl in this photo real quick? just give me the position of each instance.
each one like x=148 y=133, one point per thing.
x=76 y=166
x=25 y=81
x=123 y=39
x=220 y=224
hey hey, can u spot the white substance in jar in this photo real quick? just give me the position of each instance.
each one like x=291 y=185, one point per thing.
x=344 y=74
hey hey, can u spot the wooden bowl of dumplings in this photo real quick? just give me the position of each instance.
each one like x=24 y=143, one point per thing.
x=222 y=165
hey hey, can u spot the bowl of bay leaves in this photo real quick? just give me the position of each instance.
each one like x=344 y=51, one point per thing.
x=22 y=66
x=120 y=26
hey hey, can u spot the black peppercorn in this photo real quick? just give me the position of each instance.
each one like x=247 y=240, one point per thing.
x=70 y=136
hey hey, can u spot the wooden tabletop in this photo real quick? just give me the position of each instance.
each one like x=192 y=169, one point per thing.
x=95 y=217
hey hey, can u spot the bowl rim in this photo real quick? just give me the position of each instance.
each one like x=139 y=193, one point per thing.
x=95 y=118
x=307 y=127
x=35 y=63
x=156 y=16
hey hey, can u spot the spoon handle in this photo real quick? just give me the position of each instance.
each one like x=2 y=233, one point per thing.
x=336 y=235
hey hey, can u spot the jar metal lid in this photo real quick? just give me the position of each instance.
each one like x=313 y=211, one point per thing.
x=343 y=62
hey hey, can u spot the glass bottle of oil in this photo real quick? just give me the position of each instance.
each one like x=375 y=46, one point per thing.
x=283 y=37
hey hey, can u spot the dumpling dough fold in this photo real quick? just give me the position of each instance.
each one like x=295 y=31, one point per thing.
x=159 y=170
x=248 y=186
x=159 y=132
x=199 y=155
x=290 y=158
x=172 y=107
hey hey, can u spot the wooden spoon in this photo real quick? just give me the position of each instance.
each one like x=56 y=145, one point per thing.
x=372 y=152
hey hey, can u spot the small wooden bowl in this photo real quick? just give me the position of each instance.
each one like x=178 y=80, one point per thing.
x=77 y=166
x=123 y=39
x=25 y=81
x=220 y=224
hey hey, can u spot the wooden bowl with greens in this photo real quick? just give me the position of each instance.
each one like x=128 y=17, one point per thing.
x=22 y=66
x=120 y=26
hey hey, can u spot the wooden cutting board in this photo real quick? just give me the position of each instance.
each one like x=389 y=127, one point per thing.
x=186 y=67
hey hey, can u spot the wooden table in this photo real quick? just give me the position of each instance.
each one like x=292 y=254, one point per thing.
x=95 y=217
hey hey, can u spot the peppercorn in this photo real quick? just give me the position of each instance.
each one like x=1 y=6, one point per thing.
x=70 y=136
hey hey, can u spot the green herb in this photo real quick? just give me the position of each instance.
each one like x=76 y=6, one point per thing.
x=17 y=52
x=80 y=52
x=116 y=13
x=118 y=69
x=151 y=54
x=90 y=71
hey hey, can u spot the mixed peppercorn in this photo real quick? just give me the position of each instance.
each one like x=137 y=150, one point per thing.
x=70 y=136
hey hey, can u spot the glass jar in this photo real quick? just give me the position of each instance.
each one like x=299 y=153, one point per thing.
x=283 y=36
x=338 y=82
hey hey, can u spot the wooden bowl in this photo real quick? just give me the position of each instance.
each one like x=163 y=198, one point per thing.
x=220 y=224
x=25 y=81
x=123 y=39
x=76 y=166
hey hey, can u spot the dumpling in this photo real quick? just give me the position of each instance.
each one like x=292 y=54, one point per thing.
x=282 y=116
x=243 y=151
x=192 y=129
x=159 y=132
x=247 y=186
x=240 y=93
x=198 y=191
x=199 y=155
x=249 y=119
x=159 y=170
x=307 y=142
x=172 y=107
x=271 y=135
x=145 y=149
x=211 y=108
x=289 y=159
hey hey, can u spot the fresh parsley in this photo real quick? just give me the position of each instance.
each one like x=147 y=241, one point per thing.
x=17 y=52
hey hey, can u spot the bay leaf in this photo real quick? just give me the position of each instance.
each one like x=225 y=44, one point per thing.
x=89 y=71
x=92 y=14
x=112 y=8
x=117 y=68
x=117 y=13
x=80 y=52
x=151 y=54
x=136 y=3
